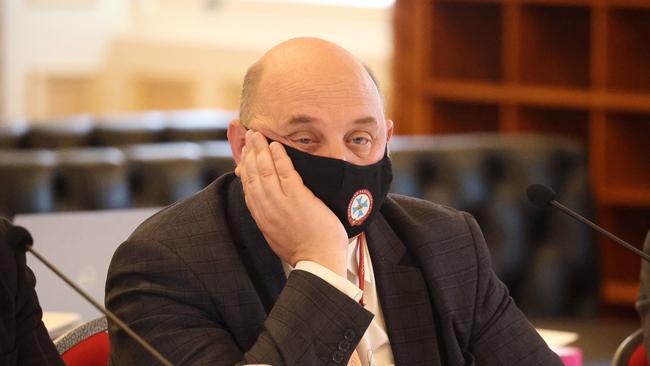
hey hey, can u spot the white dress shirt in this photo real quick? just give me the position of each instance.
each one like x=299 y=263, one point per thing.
x=374 y=347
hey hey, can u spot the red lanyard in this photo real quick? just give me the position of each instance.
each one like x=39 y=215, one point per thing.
x=361 y=270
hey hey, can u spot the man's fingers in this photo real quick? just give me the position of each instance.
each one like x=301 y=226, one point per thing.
x=290 y=180
x=262 y=189
x=266 y=168
x=247 y=178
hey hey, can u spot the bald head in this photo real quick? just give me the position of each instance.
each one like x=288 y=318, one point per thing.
x=314 y=96
x=299 y=63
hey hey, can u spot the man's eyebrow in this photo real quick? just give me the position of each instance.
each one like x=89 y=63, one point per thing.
x=365 y=121
x=301 y=119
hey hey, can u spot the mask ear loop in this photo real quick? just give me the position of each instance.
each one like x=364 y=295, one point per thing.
x=361 y=268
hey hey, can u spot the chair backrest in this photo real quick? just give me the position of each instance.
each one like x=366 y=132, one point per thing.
x=26 y=178
x=631 y=351
x=85 y=345
x=486 y=175
x=92 y=178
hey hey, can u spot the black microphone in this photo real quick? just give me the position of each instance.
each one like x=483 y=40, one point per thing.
x=542 y=196
x=22 y=240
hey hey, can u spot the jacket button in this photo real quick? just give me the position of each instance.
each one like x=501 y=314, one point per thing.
x=349 y=335
x=338 y=356
x=344 y=346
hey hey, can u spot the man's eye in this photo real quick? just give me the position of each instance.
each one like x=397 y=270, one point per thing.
x=304 y=141
x=360 y=140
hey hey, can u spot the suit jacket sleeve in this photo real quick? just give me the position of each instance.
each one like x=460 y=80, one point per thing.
x=152 y=290
x=23 y=337
x=501 y=334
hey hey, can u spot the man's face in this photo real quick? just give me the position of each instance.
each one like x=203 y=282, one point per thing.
x=340 y=117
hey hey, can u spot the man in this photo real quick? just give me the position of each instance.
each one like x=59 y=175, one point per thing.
x=301 y=258
x=23 y=337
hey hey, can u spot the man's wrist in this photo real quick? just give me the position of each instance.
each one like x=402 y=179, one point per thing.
x=337 y=281
x=327 y=261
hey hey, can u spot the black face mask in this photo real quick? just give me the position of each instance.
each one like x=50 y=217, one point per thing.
x=354 y=193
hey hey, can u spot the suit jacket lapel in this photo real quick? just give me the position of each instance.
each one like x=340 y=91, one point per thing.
x=403 y=296
x=262 y=264
x=401 y=288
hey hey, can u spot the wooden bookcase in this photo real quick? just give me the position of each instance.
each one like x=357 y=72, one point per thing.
x=578 y=68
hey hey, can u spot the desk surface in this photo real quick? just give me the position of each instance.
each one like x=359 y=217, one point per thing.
x=598 y=338
x=58 y=323
x=81 y=245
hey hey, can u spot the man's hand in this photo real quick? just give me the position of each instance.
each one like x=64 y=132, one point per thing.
x=296 y=224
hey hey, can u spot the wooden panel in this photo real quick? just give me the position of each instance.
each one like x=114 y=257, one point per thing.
x=500 y=93
x=555 y=46
x=144 y=66
x=620 y=267
x=466 y=41
x=598 y=47
x=404 y=73
x=618 y=292
x=52 y=95
x=597 y=138
x=535 y=2
x=565 y=3
x=423 y=27
x=628 y=49
x=411 y=24
x=628 y=196
x=511 y=42
x=627 y=151
x=566 y=122
x=535 y=95
x=453 y=117
x=573 y=67
x=162 y=93
x=631 y=4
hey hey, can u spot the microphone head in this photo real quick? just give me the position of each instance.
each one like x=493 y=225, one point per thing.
x=540 y=195
x=19 y=238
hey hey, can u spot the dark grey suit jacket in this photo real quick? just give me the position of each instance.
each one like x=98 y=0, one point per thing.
x=23 y=337
x=199 y=282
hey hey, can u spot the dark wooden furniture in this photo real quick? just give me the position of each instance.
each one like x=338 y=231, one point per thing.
x=570 y=67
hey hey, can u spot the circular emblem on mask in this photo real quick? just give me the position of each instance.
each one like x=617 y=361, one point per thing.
x=359 y=207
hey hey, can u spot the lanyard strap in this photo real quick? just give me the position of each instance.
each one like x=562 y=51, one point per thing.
x=361 y=270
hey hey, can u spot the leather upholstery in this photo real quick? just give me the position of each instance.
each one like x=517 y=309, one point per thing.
x=549 y=262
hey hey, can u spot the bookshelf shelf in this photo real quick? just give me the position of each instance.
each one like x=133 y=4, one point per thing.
x=629 y=197
x=554 y=97
x=576 y=68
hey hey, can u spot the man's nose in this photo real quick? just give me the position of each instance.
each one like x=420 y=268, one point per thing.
x=334 y=151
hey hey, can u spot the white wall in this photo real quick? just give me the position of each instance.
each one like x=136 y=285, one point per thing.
x=257 y=24
x=47 y=38
x=2 y=56
x=77 y=39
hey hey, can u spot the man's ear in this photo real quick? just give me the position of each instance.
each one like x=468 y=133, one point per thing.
x=236 y=138
x=389 y=129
